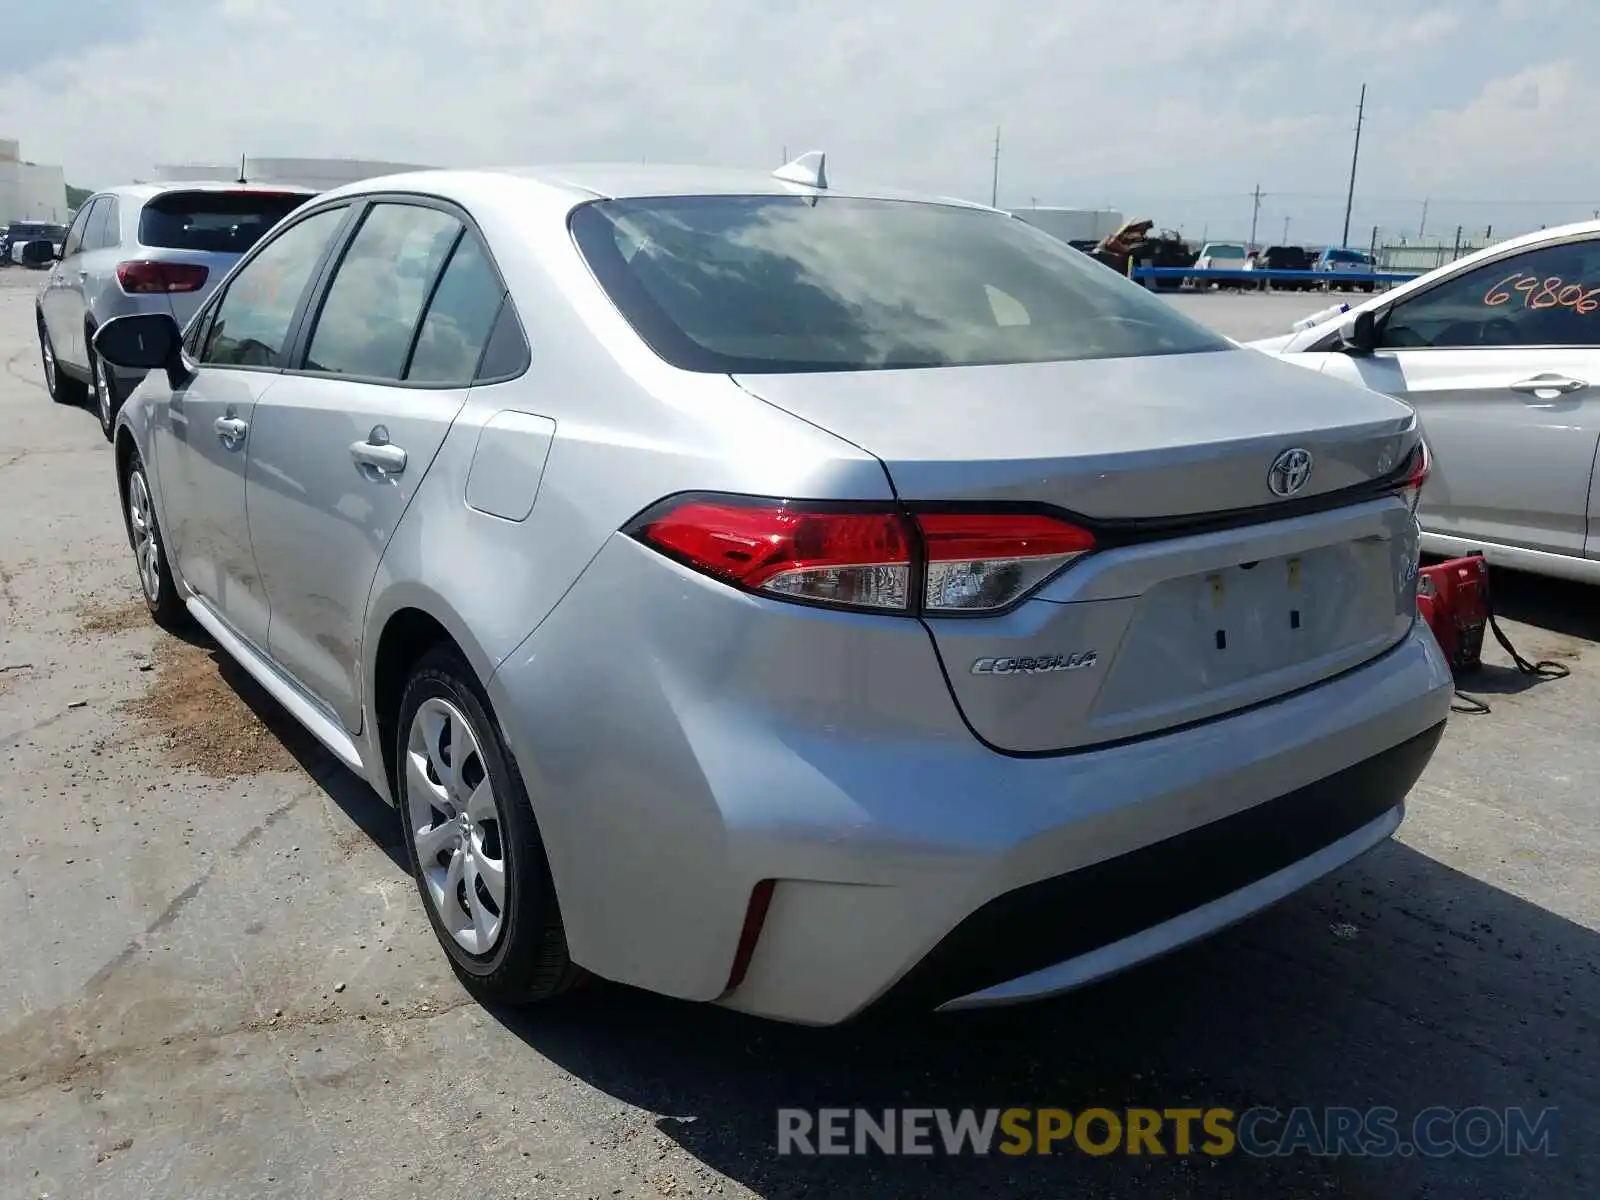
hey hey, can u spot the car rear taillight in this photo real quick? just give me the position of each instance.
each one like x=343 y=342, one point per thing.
x=1418 y=466
x=142 y=277
x=865 y=557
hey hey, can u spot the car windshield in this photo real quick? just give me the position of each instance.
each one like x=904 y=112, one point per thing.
x=222 y=222
x=789 y=283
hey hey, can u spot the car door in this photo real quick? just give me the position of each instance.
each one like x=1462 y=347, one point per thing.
x=203 y=439
x=341 y=446
x=62 y=302
x=1502 y=362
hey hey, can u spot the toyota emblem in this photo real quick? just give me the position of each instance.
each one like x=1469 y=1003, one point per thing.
x=1289 y=472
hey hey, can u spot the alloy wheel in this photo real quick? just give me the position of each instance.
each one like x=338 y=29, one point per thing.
x=102 y=392
x=453 y=817
x=48 y=353
x=142 y=524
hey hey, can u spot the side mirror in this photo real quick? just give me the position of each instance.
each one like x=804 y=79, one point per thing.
x=144 y=342
x=1359 y=334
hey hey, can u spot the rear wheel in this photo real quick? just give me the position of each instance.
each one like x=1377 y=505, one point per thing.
x=470 y=834
x=156 y=581
x=63 y=389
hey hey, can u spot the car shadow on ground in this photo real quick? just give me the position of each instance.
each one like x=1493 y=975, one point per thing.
x=354 y=797
x=1396 y=981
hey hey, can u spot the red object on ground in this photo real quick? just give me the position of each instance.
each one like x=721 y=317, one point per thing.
x=1453 y=598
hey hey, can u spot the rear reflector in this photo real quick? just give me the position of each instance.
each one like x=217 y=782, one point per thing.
x=143 y=277
x=1417 y=469
x=978 y=562
x=865 y=558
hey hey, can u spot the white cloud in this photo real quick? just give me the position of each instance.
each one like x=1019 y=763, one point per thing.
x=1167 y=101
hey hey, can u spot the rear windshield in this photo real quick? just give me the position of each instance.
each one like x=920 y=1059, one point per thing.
x=32 y=229
x=223 y=222
x=780 y=284
x=1223 y=250
x=1346 y=256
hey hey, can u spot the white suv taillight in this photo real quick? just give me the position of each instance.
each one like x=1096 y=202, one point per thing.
x=864 y=556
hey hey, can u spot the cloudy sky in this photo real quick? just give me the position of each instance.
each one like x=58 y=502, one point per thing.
x=1176 y=109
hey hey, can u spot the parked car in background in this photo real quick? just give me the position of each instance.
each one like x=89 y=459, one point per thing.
x=1342 y=261
x=791 y=596
x=1221 y=256
x=1284 y=258
x=1499 y=353
x=20 y=233
x=143 y=248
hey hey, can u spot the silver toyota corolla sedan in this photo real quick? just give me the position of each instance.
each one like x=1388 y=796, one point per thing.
x=802 y=598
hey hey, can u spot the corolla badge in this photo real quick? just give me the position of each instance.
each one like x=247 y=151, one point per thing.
x=1289 y=472
x=1034 y=664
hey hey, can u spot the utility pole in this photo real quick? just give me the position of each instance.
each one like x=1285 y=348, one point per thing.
x=994 y=184
x=1255 y=214
x=786 y=154
x=1286 y=231
x=1423 y=226
x=1355 y=155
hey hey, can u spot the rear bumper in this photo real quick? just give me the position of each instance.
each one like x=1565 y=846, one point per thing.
x=682 y=743
x=1060 y=933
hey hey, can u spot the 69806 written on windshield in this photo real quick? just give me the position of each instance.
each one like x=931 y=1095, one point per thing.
x=1551 y=291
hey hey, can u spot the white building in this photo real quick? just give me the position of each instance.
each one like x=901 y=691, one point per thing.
x=320 y=173
x=29 y=191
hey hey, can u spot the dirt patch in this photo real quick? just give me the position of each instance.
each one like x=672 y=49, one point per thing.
x=202 y=720
x=102 y=618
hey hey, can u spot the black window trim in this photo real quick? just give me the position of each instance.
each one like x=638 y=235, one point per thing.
x=297 y=318
x=1329 y=343
x=323 y=280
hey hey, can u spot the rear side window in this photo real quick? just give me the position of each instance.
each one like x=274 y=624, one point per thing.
x=221 y=222
x=460 y=318
x=104 y=228
x=788 y=283
x=375 y=300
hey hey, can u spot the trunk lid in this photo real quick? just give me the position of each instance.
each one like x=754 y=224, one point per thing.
x=1167 y=623
x=1129 y=438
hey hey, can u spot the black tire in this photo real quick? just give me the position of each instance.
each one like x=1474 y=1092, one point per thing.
x=63 y=389
x=107 y=396
x=161 y=596
x=528 y=961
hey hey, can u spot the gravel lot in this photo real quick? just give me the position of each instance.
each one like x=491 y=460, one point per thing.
x=219 y=981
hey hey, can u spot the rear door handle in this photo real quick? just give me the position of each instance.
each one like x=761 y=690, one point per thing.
x=1548 y=386
x=231 y=430
x=376 y=456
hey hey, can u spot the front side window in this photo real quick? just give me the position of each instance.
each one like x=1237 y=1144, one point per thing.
x=1548 y=296
x=252 y=325
x=789 y=283
x=376 y=297
x=74 y=242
